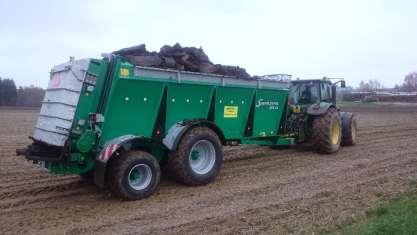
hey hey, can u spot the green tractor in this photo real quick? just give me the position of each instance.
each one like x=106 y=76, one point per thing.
x=313 y=116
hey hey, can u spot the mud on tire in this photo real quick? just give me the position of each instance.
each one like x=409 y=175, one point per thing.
x=184 y=164
x=323 y=138
x=349 y=128
x=134 y=175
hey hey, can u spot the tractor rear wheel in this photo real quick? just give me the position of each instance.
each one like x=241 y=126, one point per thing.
x=198 y=158
x=134 y=175
x=349 y=128
x=327 y=132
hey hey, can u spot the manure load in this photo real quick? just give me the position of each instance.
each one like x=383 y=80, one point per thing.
x=190 y=59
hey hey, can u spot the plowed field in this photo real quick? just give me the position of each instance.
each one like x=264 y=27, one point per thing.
x=258 y=189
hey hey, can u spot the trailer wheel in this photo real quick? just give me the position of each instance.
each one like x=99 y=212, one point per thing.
x=349 y=129
x=134 y=175
x=327 y=132
x=198 y=158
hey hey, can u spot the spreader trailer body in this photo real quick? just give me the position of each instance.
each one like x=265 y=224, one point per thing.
x=115 y=123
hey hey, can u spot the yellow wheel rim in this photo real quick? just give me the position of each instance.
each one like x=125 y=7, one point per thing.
x=335 y=132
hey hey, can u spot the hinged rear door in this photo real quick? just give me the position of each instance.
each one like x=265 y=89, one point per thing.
x=60 y=102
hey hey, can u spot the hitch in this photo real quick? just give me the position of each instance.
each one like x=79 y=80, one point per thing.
x=38 y=151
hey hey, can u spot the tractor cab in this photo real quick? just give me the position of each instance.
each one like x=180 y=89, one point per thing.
x=308 y=92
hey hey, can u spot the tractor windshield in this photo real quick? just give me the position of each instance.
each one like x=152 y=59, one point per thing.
x=305 y=93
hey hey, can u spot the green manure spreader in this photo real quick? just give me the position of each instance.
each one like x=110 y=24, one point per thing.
x=116 y=124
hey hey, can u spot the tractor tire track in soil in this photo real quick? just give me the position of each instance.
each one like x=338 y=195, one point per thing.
x=258 y=189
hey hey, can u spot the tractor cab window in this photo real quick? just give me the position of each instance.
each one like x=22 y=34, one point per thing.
x=326 y=92
x=309 y=93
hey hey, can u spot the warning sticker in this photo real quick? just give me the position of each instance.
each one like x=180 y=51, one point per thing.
x=230 y=111
x=124 y=72
x=56 y=80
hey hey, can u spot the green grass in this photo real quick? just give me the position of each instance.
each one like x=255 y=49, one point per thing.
x=396 y=217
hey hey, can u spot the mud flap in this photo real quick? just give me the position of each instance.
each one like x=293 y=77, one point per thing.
x=111 y=147
x=100 y=174
x=174 y=135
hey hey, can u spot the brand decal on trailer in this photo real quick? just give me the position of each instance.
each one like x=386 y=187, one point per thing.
x=230 y=111
x=270 y=104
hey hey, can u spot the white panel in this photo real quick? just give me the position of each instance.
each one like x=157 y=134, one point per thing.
x=60 y=101
x=62 y=96
x=49 y=137
x=58 y=110
x=54 y=124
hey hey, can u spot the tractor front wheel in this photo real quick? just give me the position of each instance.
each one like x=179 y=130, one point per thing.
x=327 y=132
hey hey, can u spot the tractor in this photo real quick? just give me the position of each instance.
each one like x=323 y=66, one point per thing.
x=313 y=116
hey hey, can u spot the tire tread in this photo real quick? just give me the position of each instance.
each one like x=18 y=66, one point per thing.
x=117 y=170
x=177 y=162
x=321 y=136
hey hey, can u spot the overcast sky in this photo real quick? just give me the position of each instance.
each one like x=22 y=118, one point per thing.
x=356 y=40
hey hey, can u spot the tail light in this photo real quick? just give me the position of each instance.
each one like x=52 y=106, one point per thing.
x=95 y=118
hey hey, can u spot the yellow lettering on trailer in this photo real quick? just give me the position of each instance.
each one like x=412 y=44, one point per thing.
x=230 y=111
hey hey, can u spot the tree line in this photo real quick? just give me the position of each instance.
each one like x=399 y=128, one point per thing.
x=409 y=84
x=28 y=96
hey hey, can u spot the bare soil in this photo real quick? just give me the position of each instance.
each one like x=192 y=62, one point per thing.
x=259 y=190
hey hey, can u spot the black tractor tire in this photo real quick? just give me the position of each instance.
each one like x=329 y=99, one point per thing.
x=327 y=132
x=185 y=169
x=349 y=129
x=121 y=173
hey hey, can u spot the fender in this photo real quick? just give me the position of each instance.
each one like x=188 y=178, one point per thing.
x=319 y=108
x=176 y=132
x=125 y=143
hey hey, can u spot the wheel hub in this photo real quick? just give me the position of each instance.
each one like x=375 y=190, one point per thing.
x=202 y=157
x=195 y=155
x=140 y=177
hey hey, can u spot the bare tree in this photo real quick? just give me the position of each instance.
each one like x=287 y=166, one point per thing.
x=371 y=85
x=410 y=82
x=8 y=95
x=30 y=96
